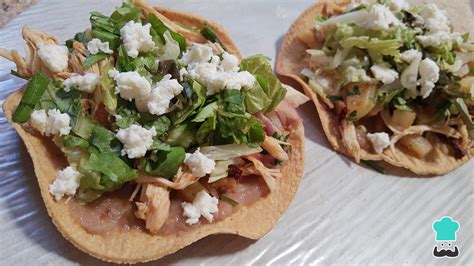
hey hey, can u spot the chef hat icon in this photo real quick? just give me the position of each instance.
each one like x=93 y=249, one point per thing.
x=445 y=229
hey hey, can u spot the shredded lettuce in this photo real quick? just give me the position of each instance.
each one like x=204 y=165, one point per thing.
x=228 y=152
x=382 y=47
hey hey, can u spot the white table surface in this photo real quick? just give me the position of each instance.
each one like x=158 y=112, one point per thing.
x=342 y=213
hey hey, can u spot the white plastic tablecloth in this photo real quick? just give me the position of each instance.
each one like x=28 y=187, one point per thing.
x=343 y=213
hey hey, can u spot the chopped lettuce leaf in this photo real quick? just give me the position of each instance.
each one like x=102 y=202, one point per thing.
x=105 y=29
x=104 y=140
x=255 y=98
x=125 y=13
x=197 y=98
x=166 y=163
x=258 y=65
x=114 y=171
x=66 y=102
x=107 y=89
x=71 y=141
x=181 y=135
x=160 y=28
x=206 y=112
x=124 y=62
x=83 y=126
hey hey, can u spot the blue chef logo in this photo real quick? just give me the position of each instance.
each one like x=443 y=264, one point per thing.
x=445 y=230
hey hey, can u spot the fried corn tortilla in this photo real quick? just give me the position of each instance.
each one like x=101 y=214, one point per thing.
x=293 y=58
x=136 y=246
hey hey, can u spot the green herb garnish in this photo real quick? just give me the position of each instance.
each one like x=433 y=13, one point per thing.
x=374 y=165
x=33 y=93
x=352 y=116
x=229 y=200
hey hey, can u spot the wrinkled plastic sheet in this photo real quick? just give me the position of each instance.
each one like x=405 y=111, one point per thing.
x=343 y=213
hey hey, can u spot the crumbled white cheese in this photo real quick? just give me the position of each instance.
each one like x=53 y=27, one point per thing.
x=216 y=79
x=66 y=183
x=113 y=73
x=86 y=83
x=380 y=17
x=199 y=164
x=171 y=48
x=158 y=101
x=214 y=73
x=438 y=38
x=136 y=38
x=409 y=76
x=136 y=140
x=52 y=123
x=130 y=85
x=202 y=205
x=58 y=123
x=54 y=57
x=398 y=5
x=461 y=71
x=355 y=74
x=39 y=121
x=410 y=55
x=229 y=62
x=429 y=75
x=435 y=19
x=197 y=53
x=438 y=27
x=95 y=45
x=384 y=74
x=379 y=140
x=182 y=73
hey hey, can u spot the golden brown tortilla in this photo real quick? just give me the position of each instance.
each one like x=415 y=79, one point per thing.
x=136 y=245
x=292 y=58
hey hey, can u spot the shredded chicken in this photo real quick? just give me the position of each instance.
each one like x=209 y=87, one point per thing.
x=135 y=191
x=216 y=47
x=181 y=180
x=275 y=121
x=349 y=137
x=419 y=130
x=78 y=56
x=31 y=63
x=153 y=207
x=273 y=147
x=251 y=170
x=264 y=172
x=294 y=97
